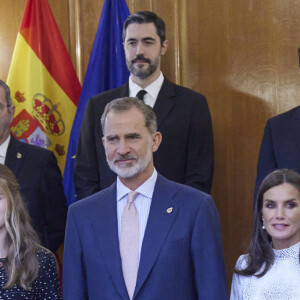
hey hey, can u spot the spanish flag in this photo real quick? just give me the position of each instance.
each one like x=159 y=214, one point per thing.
x=44 y=87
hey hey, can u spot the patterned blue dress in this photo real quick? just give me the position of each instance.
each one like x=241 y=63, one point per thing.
x=45 y=286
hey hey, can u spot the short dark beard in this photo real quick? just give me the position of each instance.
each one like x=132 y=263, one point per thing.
x=143 y=74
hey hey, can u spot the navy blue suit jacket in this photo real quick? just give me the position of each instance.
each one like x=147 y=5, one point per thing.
x=280 y=146
x=40 y=182
x=181 y=256
x=186 y=154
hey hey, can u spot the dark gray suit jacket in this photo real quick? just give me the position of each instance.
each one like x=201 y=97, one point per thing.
x=186 y=154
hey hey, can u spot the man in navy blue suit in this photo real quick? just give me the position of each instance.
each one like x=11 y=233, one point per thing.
x=280 y=147
x=177 y=249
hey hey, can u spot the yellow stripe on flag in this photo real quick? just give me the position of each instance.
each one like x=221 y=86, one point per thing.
x=34 y=91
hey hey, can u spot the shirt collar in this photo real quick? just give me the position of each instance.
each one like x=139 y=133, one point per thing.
x=4 y=146
x=152 y=89
x=146 y=189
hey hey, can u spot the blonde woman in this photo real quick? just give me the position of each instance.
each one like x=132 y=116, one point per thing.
x=27 y=270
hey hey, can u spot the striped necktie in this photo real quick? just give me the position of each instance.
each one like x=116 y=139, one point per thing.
x=129 y=243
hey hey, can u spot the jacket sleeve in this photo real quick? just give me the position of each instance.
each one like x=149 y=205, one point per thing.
x=86 y=170
x=266 y=160
x=207 y=254
x=200 y=156
x=74 y=278
x=53 y=202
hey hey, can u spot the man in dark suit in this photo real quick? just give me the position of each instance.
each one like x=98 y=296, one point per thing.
x=39 y=177
x=186 y=154
x=280 y=146
x=163 y=244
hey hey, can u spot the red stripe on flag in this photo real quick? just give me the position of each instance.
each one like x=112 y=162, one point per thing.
x=39 y=29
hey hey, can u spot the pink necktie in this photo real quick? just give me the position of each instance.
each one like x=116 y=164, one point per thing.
x=129 y=243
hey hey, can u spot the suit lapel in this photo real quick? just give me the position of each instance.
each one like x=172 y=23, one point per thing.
x=15 y=155
x=164 y=101
x=105 y=227
x=125 y=90
x=122 y=91
x=162 y=214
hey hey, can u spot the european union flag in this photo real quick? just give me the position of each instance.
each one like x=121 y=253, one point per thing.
x=106 y=70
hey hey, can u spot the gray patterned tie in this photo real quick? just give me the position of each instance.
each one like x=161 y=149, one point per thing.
x=129 y=243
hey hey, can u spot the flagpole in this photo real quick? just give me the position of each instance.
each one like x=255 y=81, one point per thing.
x=132 y=5
x=78 y=41
x=177 y=43
x=75 y=13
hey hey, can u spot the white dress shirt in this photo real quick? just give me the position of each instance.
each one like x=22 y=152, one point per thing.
x=142 y=203
x=152 y=90
x=3 y=150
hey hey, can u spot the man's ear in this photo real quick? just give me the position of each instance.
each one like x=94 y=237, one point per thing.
x=156 y=140
x=11 y=113
x=164 y=47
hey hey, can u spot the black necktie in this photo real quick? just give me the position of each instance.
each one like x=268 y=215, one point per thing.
x=140 y=95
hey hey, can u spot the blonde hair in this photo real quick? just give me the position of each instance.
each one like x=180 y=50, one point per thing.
x=21 y=241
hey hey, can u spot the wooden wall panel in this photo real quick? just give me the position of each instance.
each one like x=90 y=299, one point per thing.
x=11 y=12
x=168 y=11
x=242 y=55
x=257 y=64
x=90 y=15
x=205 y=71
x=288 y=32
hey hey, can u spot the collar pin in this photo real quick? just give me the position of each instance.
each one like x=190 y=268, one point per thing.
x=169 y=210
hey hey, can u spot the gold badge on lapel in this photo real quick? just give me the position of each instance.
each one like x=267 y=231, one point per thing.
x=169 y=210
x=19 y=155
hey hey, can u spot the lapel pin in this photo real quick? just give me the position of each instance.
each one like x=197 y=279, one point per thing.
x=169 y=210
x=19 y=155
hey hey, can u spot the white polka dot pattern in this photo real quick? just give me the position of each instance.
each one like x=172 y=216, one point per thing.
x=45 y=287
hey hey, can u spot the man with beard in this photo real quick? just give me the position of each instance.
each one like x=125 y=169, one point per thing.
x=186 y=154
x=144 y=237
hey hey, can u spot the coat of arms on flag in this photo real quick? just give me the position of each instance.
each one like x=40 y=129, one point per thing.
x=44 y=86
x=42 y=123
